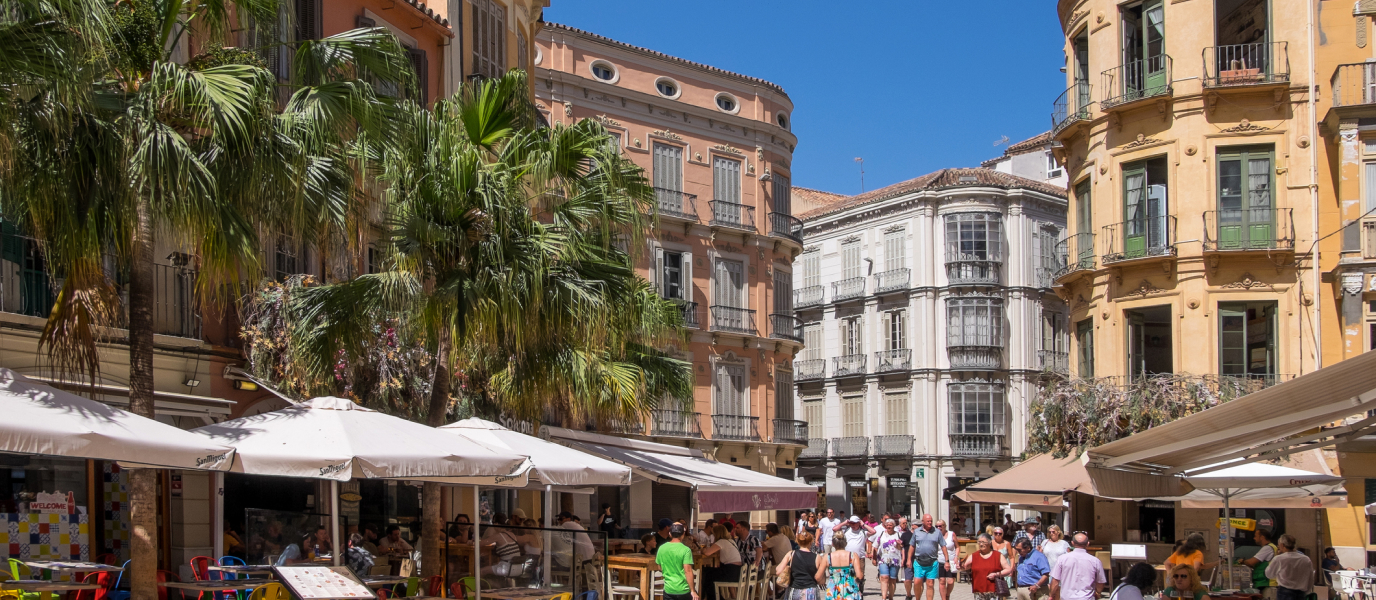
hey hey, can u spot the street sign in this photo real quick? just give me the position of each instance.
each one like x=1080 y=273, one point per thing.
x=921 y=473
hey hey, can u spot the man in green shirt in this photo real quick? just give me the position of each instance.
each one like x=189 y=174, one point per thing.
x=675 y=561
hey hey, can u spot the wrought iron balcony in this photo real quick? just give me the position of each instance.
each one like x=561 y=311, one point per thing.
x=816 y=450
x=1354 y=85
x=1140 y=238
x=789 y=431
x=1071 y=107
x=976 y=445
x=893 y=446
x=1054 y=361
x=1247 y=64
x=808 y=370
x=1042 y=277
x=785 y=327
x=848 y=289
x=735 y=427
x=972 y=269
x=814 y=295
x=850 y=447
x=730 y=214
x=886 y=361
x=786 y=225
x=676 y=204
x=1137 y=80
x=675 y=423
x=735 y=320
x=176 y=312
x=1239 y=229
x=1074 y=253
x=980 y=358
x=626 y=427
x=891 y=281
x=848 y=365
x=690 y=314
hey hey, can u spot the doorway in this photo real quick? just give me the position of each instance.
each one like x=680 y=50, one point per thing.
x=859 y=496
x=1242 y=30
x=1146 y=209
x=1144 y=50
x=1150 y=341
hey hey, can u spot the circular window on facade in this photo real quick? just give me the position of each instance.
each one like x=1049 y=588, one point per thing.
x=539 y=56
x=782 y=120
x=727 y=103
x=667 y=87
x=604 y=70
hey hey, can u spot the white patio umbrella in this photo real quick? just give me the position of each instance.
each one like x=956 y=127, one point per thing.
x=1371 y=508
x=551 y=464
x=335 y=439
x=43 y=420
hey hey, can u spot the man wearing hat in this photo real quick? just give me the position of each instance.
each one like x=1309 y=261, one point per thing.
x=1031 y=531
x=857 y=540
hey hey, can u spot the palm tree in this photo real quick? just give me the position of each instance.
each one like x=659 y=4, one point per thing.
x=108 y=145
x=506 y=254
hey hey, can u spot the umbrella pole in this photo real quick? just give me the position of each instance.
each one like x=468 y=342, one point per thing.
x=1228 y=528
x=477 y=550
x=334 y=521
x=549 y=522
x=217 y=483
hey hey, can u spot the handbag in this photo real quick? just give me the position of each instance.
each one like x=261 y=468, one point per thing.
x=1001 y=587
x=785 y=579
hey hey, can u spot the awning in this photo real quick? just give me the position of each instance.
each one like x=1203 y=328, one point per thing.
x=551 y=464
x=1277 y=421
x=164 y=403
x=1042 y=479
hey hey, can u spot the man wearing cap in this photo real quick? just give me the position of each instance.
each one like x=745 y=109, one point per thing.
x=662 y=534
x=675 y=560
x=857 y=541
x=1030 y=532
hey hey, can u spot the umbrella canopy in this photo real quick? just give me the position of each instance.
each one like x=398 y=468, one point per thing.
x=551 y=464
x=333 y=438
x=1371 y=508
x=1260 y=485
x=39 y=419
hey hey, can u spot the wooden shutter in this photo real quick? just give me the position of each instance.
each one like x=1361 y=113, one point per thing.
x=1084 y=208
x=783 y=395
x=308 y=15
x=783 y=195
x=783 y=293
x=668 y=167
x=812 y=413
x=726 y=180
x=728 y=288
x=895 y=254
x=853 y=415
x=421 y=64
x=1084 y=338
x=850 y=260
x=657 y=272
x=896 y=413
x=812 y=341
x=812 y=272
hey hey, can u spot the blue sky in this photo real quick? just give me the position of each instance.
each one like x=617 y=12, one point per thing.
x=910 y=85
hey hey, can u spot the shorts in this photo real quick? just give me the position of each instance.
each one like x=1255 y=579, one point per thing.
x=888 y=570
x=927 y=572
x=944 y=573
x=905 y=574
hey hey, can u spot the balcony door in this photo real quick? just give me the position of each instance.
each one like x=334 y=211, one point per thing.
x=1146 y=208
x=728 y=284
x=1246 y=214
x=730 y=391
x=1144 y=50
x=1082 y=96
x=668 y=178
x=1247 y=339
x=1150 y=341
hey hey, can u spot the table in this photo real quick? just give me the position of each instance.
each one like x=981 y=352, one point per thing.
x=640 y=564
x=617 y=544
x=520 y=593
x=384 y=580
x=244 y=570
x=43 y=585
x=71 y=567
x=215 y=586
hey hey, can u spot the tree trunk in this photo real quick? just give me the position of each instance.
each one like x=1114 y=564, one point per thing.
x=143 y=487
x=432 y=536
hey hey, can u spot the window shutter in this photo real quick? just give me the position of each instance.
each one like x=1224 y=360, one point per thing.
x=783 y=195
x=850 y=260
x=688 y=277
x=421 y=64
x=896 y=409
x=308 y=19
x=726 y=180
x=657 y=273
x=363 y=22
x=894 y=251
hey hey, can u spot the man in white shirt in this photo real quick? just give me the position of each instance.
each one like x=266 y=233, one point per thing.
x=826 y=527
x=1292 y=571
x=857 y=540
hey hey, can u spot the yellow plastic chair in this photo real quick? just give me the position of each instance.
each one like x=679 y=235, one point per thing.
x=563 y=596
x=6 y=594
x=270 y=591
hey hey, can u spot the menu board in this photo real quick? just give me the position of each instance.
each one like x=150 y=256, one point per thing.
x=322 y=583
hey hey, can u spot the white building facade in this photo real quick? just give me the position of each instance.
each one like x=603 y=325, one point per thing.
x=928 y=320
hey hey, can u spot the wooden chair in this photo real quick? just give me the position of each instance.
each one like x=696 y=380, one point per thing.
x=741 y=589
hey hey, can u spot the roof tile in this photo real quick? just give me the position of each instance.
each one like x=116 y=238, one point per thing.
x=940 y=180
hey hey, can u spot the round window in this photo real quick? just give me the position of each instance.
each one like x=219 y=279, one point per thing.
x=604 y=70
x=666 y=88
x=726 y=103
x=539 y=56
x=782 y=120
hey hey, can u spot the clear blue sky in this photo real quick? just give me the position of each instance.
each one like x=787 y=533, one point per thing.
x=911 y=85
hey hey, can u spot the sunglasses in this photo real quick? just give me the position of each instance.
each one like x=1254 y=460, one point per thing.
x=1180 y=576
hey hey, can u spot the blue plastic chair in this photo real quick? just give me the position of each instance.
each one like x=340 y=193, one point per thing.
x=232 y=595
x=116 y=592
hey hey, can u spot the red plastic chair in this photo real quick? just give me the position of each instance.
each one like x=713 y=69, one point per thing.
x=456 y=590
x=107 y=558
x=435 y=588
x=164 y=577
x=383 y=594
x=101 y=579
x=200 y=568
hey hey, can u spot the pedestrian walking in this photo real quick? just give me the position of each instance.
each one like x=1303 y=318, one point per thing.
x=1055 y=545
x=927 y=542
x=986 y=568
x=842 y=569
x=857 y=536
x=946 y=561
x=1079 y=575
x=1032 y=571
x=805 y=570
x=1030 y=530
x=905 y=574
x=888 y=557
x=826 y=528
x=1292 y=571
x=675 y=561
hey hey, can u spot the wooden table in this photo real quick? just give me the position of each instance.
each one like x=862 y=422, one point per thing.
x=245 y=570
x=640 y=564
x=58 y=566
x=215 y=586
x=384 y=580
x=43 y=585
x=519 y=593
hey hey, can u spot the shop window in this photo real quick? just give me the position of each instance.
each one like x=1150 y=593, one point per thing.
x=1150 y=341
x=1247 y=339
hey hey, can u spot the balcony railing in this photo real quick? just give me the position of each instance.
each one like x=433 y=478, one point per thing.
x=1071 y=107
x=886 y=361
x=971 y=269
x=1247 y=64
x=626 y=427
x=735 y=427
x=893 y=446
x=785 y=327
x=891 y=281
x=1249 y=229
x=982 y=358
x=690 y=314
x=850 y=364
x=848 y=289
x=1140 y=238
x=785 y=225
x=789 y=431
x=1354 y=85
x=1054 y=361
x=1042 y=278
x=976 y=445
x=730 y=214
x=735 y=320
x=677 y=204
x=816 y=449
x=1075 y=253
x=176 y=311
x=814 y=295
x=675 y=423
x=850 y=447
x=1137 y=80
x=808 y=370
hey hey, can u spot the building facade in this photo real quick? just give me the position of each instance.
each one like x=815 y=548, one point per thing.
x=1032 y=158
x=717 y=147
x=928 y=318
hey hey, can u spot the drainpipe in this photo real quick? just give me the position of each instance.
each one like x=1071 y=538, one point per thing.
x=1314 y=198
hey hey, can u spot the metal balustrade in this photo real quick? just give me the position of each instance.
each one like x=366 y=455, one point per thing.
x=976 y=445
x=1246 y=64
x=892 y=280
x=1071 y=107
x=790 y=431
x=970 y=269
x=848 y=289
x=676 y=204
x=735 y=427
x=1354 y=85
x=814 y=295
x=808 y=370
x=816 y=449
x=730 y=214
x=1054 y=361
x=1140 y=238
x=732 y=319
x=786 y=225
x=893 y=446
x=675 y=423
x=1137 y=80
x=1249 y=229
x=981 y=358
x=886 y=361
x=850 y=447
x=851 y=364
x=785 y=327
x=1075 y=253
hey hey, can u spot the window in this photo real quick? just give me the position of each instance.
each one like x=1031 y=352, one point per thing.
x=850 y=259
x=522 y=53
x=1054 y=335
x=285 y=258
x=728 y=284
x=783 y=292
x=674 y=277
x=1053 y=166
x=895 y=250
x=667 y=87
x=1370 y=146
x=420 y=64
x=308 y=19
x=783 y=394
x=895 y=321
x=374 y=260
x=1146 y=207
x=896 y=413
x=729 y=391
x=1084 y=343
x=813 y=409
x=782 y=120
x=727 y=103
x=668 y=179
x=603 y=70
x=810 y=269
x=1144 y=49
x=852 y=336
x=974 y=321
x=812 y=341
x=1247 y=338
x=1084 y=208
x=974 y=236
x=977 y=408
x=1150 y=347
x=614 y=141
x=853 y=415
x=783 y=195
x=1246 y=218
x=726 y=180
x=489 y=39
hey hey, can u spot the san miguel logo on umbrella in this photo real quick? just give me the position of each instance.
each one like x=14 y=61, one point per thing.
x=333 y=469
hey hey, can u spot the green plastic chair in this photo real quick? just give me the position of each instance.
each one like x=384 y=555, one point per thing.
x=412 y=586
x=19 y=570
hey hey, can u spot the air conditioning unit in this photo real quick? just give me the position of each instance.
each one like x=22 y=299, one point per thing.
x=1369 y=238
x=1054 y=173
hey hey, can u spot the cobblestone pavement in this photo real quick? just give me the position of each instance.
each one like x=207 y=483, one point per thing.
x=960 y=592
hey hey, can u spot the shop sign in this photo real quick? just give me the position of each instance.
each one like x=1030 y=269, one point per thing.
x=921 y=472
x=61 y=503
x=1241 y=524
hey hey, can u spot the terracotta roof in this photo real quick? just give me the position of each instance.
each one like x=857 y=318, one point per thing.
x=808 y=199
x=940 y=180
x=1032 y=144
x=429 y=12
x=709 y=68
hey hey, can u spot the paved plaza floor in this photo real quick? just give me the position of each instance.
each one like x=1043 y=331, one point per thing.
x=960 y=592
